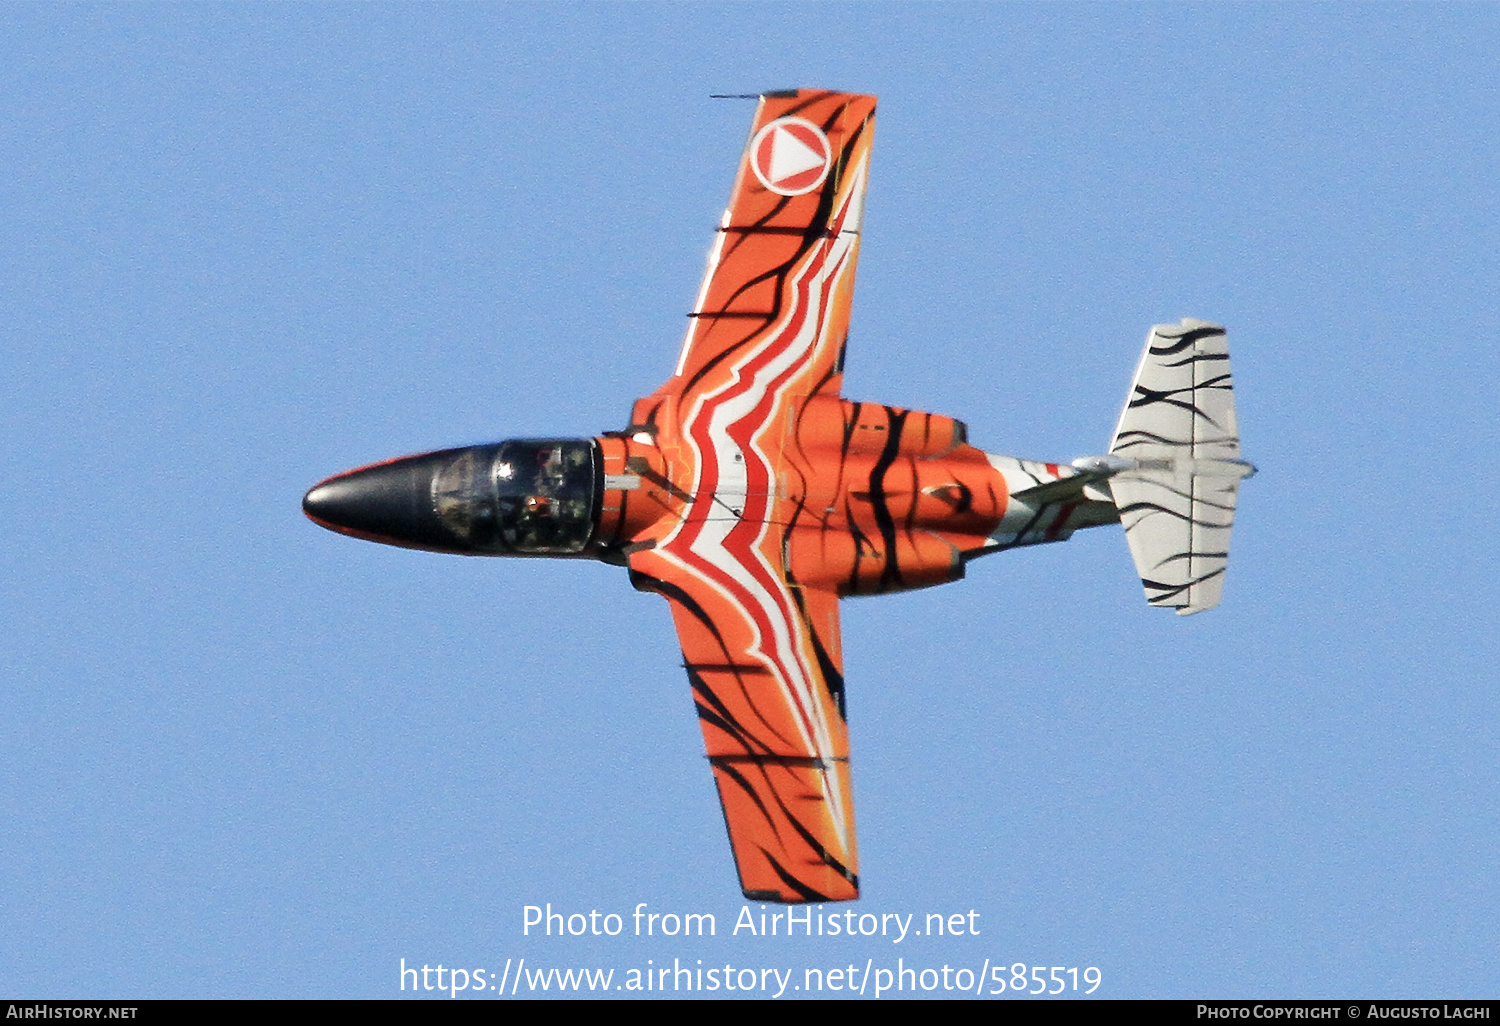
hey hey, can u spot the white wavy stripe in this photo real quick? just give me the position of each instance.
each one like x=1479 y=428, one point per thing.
x=709 y=545
x=711 y=538
x=712 y=533
x=734 y=410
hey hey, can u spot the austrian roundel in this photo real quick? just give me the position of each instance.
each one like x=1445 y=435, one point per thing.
x=790 y=156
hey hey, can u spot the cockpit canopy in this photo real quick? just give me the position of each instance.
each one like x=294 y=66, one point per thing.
x=534 y=496
x=523 y=497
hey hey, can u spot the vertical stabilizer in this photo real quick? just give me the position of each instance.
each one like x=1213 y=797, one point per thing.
x=1180 y=450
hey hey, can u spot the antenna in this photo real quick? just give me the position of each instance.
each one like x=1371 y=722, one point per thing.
x=769 y=94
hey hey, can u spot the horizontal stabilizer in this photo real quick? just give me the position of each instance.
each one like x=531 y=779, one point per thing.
x=1179 y=450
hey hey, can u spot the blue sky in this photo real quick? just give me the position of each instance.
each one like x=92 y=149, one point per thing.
x=245 y=247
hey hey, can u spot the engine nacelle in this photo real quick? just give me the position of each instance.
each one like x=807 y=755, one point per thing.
x=830 y=423
x=860 y=565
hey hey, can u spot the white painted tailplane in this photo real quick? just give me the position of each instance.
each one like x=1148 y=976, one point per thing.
x=1174 y=465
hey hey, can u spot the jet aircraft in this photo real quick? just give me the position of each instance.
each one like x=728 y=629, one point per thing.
x=752 y=495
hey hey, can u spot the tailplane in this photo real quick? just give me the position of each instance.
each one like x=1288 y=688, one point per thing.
x=1174 y=465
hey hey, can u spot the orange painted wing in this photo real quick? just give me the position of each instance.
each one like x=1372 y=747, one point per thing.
x=767 y=676
x=763 y=654
x=782 y=267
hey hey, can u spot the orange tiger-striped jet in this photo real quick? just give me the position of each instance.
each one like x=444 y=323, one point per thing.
x=753 y=496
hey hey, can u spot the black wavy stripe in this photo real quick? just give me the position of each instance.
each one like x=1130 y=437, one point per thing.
x=779 y=273
x=711 y=709
x=1197 y=358
x=851 y=424
x=1171 y=591
x=806 y=892
x=1140 y=436
x=828 y=375
x=749 y=789
x=1153 y=397
x=1193 y=555
x=1152 y=507
x=890 y=574
x=822 y=852
x=862 y=544
x=1184 y=340
x=727 y=767
x=1020 y=538
x=1172 y=489
x=833 y=677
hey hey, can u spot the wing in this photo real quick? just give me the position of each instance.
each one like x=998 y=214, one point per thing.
x=764 y=663
x=781 y=273
x=762 y=654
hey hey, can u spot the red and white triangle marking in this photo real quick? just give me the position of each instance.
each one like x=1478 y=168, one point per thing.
x=790 y=156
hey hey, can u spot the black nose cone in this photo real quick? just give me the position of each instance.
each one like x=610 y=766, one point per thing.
x=389 y=502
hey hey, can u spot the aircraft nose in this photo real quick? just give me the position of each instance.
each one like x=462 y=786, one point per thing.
x=389 y=502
